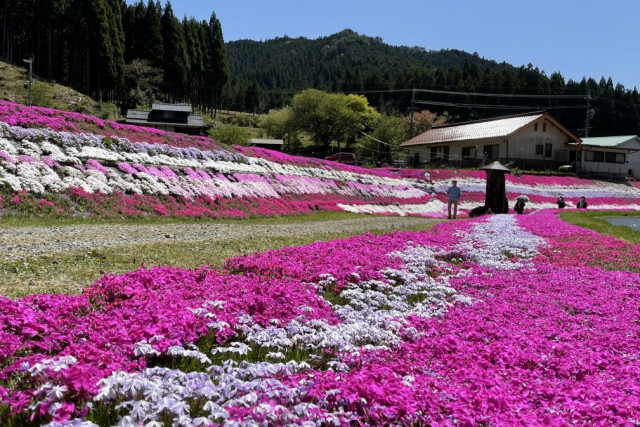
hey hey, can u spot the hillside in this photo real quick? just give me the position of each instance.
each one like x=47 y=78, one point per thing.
x=13 y=87
x=272 y=71
x=338 y=61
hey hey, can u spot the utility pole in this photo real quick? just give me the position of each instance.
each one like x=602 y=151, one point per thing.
x=30 y=82
x=590 y=113
x=413 y=108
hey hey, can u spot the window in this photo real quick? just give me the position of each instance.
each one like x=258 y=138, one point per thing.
x=492 y=151
x=548 y=149
x=539 y=149
x=560 y=155
x=614 y=158
x=440 y=153
x=535 y=127
x=544 y=127
x=598 y=156
x=469 y=152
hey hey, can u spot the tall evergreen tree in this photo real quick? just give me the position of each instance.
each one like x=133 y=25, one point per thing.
x=176 y=60
x=152 y=48
x=216 y=59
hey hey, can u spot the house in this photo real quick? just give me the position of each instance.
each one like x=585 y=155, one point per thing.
x=271 y=144
x=168 y=117
x=611 y=156
x=528 y=141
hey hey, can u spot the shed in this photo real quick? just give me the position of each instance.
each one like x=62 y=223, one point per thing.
x=169 y=117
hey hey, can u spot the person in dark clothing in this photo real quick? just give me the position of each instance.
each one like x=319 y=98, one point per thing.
x=519 y=207
x=582 y=203
x=561 y=202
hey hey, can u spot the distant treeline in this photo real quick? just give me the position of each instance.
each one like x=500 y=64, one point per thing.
x=128 y=54
x=349 y=62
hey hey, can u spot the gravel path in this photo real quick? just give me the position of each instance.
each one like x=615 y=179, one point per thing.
x=18 y=243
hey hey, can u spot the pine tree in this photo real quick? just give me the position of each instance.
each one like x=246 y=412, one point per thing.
x=216 y=59
x=176 y=60
x=152 y=48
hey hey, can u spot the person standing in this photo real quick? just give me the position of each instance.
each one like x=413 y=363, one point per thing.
x=454 y=193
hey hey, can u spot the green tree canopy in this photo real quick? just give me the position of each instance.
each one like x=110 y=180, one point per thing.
x=332 y=117
x=277 y=123
x=176 y=58
x=230 y=134
x=382 y=144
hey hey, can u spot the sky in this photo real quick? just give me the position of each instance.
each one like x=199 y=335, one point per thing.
x=585 y=38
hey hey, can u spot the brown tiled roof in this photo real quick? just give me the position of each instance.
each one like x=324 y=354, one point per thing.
x=480 y=129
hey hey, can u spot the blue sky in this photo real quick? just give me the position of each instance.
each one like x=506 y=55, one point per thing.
x=578 y=38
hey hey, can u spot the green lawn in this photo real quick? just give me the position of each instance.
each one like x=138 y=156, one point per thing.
x=595 y=220
x=69 y=272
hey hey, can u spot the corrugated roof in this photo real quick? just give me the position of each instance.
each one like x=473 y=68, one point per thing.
x=138 y=114
x=195 y=120
x=490 y=128
x=267 y=141
x=141 y=117
x=609 y=141
x=183 y=108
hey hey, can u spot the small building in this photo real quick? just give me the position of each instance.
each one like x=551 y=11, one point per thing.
x=527 y=141
x=270 y=144
x=168 y=117
x=610 y=156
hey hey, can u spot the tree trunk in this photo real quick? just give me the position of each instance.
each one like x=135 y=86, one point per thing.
x=496 y=195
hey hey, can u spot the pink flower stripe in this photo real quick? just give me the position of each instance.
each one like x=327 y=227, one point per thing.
x=539 y=342
x=20 y=115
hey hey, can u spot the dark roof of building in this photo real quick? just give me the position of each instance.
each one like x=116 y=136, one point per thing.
x=498 y=127
x=141 y=117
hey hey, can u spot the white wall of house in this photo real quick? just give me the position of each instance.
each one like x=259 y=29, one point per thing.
x=633 y=159
x=604 y=160
x=540 y=141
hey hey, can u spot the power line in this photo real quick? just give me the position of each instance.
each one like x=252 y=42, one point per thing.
x=498 y=107
x=492 y=95
x=501 y=95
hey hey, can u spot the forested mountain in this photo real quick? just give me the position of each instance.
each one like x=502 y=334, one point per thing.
x=349 y=62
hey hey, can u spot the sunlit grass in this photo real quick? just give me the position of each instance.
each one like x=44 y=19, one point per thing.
x=595 y=220
x=70 y=272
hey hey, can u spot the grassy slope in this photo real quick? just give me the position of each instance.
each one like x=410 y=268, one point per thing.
x=46 y=94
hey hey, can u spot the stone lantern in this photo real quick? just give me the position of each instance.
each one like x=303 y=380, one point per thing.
x=496 y=198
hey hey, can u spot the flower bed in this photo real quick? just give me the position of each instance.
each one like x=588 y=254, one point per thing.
x=474 y=322
x=62 y=163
